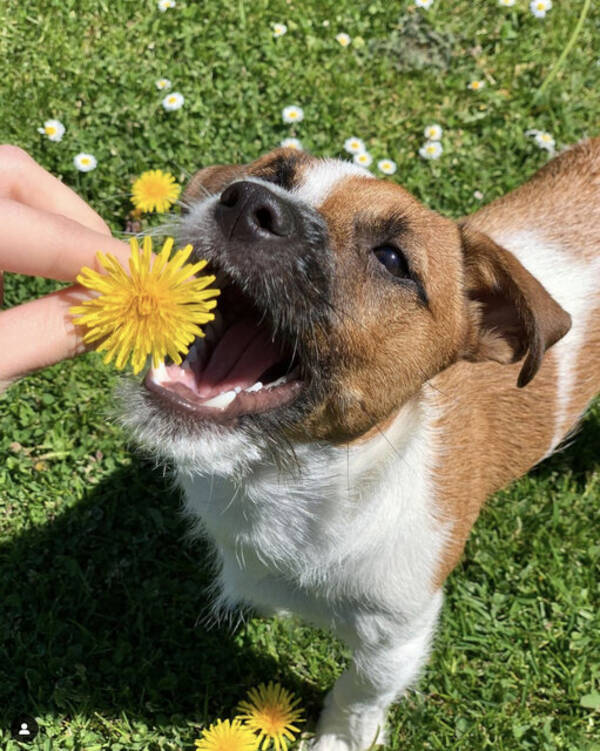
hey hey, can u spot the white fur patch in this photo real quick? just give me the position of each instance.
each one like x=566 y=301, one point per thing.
x=574 y=283
x=321 y=178
x=356 y=524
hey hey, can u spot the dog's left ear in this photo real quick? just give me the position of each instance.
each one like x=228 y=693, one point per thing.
x=510 y=312
x=211 y=180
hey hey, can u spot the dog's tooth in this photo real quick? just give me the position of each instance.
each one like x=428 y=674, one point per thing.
x=255 y=387
x=278 y=382
x=221 y=401
x=159 y=373
x=284 y=379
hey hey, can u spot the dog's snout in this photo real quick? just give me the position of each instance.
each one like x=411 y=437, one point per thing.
x=249 y=211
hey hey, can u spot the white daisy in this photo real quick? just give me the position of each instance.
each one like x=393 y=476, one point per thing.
x=292 y=114
x=423 y=3
x=164 y=5
x=477 y=193
x=476 y=85
x=539 y=8
x=173 y=101
x=291 y=143
x=433 y=132
x=343 y=39
x=54 y=129
x=325 y=24
x=279 y=29
x=431 y=150
x=386 y=166
x=354 y=145
x=364 y=159
x=506 y=3
x=163 y=84
x=545 y=141
x=85 y=162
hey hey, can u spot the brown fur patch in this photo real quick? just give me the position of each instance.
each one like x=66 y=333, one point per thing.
x=385 y=342
x=490 y=432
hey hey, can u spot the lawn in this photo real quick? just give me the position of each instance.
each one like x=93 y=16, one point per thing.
x=102 y=608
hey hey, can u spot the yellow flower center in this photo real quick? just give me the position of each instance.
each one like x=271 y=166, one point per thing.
x=50 y=130
x=85 y=160
x=145 y=304
x=272 y=719
x=155 y=188
x=172 y=100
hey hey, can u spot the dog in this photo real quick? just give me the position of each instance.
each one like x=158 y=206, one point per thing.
x=375 y=372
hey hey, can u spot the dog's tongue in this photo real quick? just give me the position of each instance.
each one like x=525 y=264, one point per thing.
x=239 y=358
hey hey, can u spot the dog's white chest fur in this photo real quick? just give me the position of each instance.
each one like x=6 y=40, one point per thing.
x=352 y=530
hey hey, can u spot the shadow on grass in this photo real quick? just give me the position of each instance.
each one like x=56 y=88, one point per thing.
x=101 y=611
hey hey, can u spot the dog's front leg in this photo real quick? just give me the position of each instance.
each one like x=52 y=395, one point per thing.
x=387 y=658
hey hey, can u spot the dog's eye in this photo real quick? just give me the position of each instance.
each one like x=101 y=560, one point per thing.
x=392 y=259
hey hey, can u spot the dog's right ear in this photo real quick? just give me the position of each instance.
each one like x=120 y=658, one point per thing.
x=211 y=180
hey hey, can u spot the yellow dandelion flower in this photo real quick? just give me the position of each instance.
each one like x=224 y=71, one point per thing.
x=224 y=735
x=155 y=190
x=154 y=311
x=271 y=711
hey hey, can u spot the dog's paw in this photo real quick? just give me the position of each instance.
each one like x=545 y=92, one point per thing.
x=330 y=743
x=349 y=728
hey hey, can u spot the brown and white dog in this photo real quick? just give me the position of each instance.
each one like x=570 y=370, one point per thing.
x=376 y=371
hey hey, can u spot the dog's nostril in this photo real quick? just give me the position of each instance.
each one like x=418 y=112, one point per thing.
x=264 y=218
x=230 y=196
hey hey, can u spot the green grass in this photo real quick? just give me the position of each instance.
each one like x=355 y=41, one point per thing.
x=101 y=636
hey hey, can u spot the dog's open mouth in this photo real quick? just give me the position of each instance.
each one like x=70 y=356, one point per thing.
x=240 y=367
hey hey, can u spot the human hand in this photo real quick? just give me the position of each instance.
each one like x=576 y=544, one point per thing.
x=45 y=230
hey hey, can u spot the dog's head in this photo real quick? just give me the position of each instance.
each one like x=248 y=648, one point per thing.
x=342 y=295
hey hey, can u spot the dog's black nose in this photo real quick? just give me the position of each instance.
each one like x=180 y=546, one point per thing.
x=249 y=211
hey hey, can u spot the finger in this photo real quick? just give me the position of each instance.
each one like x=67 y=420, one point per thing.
x=22 y=179
x=40 y=333
x=52 y=246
